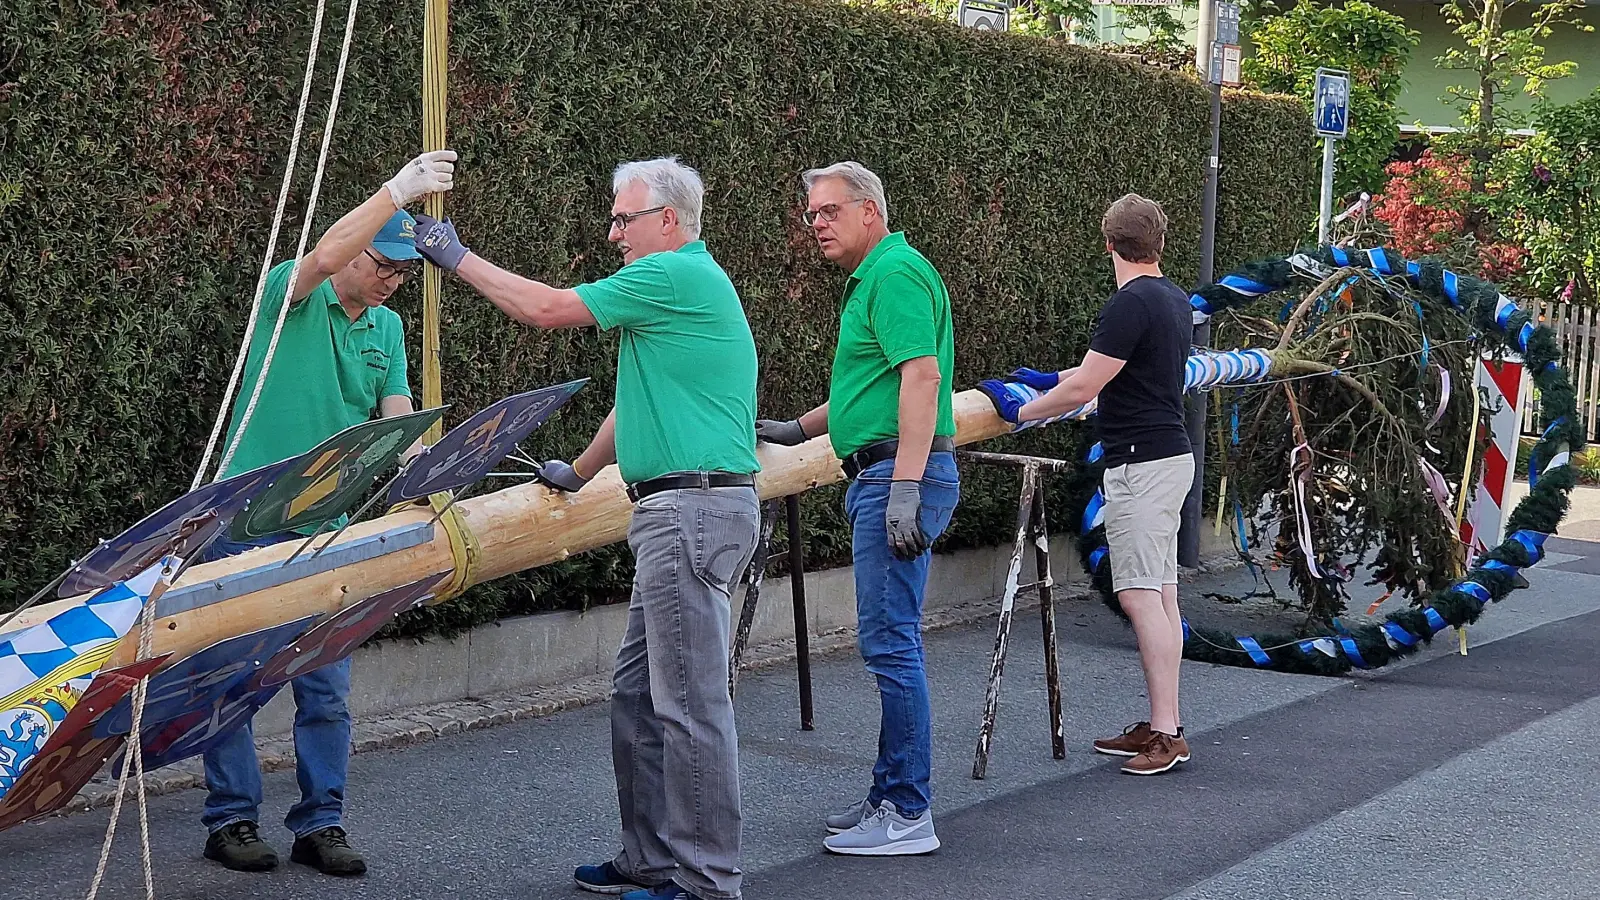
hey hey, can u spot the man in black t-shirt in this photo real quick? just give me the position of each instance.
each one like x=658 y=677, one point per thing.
x=1135 y=365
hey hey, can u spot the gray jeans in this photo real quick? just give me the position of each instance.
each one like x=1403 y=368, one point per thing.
x=673 y=741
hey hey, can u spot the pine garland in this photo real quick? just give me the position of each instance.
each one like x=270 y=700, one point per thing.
x=1501 y=326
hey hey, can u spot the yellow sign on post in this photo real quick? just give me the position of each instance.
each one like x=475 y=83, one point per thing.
x=435 y=75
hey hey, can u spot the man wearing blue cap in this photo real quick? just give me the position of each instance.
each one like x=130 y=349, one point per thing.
x=341 y=358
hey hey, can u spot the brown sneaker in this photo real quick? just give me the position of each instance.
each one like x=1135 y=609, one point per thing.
x=1129 y=743
x=1160 y=755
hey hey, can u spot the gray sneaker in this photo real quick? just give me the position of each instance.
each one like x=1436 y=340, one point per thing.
x=886 y=833
x=850 y=816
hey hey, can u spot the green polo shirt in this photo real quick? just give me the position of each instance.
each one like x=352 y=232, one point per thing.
x=328 y=373
x=686 y=369
x=895 y=309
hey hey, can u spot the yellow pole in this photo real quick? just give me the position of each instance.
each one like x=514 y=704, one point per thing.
x=1461 y=499
x=435 y=62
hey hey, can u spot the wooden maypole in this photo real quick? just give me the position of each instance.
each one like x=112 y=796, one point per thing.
x=509 y=531
x=435 y=76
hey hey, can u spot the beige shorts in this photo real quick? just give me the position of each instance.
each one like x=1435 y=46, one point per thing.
x=1144 y=502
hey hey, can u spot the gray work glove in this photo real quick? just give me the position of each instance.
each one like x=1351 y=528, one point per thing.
x=787 y=433
x=559 y=476
x=438 y=242
x=904 y=522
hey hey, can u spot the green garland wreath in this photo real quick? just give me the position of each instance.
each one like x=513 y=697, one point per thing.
x=1502 y=325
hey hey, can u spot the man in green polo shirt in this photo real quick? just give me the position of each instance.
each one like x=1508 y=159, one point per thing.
x=890 y=418
x=340 y=360
x=682 y=432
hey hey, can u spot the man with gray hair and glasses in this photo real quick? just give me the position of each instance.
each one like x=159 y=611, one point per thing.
x=682 y=432
x=890 y=415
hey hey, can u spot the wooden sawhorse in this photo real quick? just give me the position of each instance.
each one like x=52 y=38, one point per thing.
x=1031 y=528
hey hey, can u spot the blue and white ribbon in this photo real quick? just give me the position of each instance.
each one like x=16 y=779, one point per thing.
x=1094 y=515
x=1209 y=368
x=1531 y=541
x=1397 y=636
x=1435 y=621
x=1257 y=655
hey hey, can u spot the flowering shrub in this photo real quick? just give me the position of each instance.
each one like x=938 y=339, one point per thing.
x=1424 y=204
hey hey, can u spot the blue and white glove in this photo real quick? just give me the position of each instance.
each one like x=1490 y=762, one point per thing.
x=438 y=242
x=1042 y=381
x=1008 y=398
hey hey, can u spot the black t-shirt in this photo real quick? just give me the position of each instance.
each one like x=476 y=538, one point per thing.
x=1148 y=324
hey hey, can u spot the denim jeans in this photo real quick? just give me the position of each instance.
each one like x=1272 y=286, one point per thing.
x=321 y=742
x=889 y=595
x=674 y=747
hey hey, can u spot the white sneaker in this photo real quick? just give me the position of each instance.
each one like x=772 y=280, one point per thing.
x=886 y=833
x=850 y=817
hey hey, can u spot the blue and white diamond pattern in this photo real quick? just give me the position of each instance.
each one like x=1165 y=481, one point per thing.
x=76 y=641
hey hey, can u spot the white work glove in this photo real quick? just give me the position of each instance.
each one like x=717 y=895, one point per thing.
x=432 y=172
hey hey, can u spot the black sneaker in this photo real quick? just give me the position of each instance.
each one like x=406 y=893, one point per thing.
x=239 y=847
x=329 y=852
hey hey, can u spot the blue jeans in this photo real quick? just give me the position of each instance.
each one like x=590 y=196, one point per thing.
x=321 y=742
x=889 y=594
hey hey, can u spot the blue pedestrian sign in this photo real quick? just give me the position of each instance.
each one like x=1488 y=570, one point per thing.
x=1330 y=103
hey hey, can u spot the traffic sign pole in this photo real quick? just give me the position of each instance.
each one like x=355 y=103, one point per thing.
x=1330 y=115
x=1224 y=17
x=1325 y=213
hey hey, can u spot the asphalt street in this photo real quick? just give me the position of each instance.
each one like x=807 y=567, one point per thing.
x=1446 y=778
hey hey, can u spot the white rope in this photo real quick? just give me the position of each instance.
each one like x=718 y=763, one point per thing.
x=272 y=248
x=305 y=236
x=134 y=756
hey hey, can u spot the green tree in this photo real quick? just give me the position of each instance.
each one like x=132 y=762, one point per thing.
x=1503 y=61
x=1545 y=195
x=1166 y=28
x=1373 y=45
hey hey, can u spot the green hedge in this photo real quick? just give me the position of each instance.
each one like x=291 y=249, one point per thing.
x=147 y=143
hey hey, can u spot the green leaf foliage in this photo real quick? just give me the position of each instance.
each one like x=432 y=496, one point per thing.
x=1370 y=43
x=148 y=141
x=1546 y=198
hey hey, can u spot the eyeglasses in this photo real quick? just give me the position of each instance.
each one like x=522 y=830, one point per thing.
x=620 y=220
x=387 y=269
x=828 y=212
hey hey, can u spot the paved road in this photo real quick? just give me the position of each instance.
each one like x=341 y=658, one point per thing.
x=1445 y=778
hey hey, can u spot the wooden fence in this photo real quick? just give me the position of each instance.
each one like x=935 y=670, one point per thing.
x=1577 y=329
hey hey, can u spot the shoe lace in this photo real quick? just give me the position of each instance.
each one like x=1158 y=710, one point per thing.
x=245 y=833
x=335 y=837
x=1159 y=741
x=871 y=819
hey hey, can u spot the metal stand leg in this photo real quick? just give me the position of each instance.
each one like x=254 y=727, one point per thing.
x=1047 y=617
x=1008 y=600
x=797 y=587
x=753 y=576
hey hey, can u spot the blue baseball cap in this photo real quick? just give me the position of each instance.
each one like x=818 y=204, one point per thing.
x=398 y=238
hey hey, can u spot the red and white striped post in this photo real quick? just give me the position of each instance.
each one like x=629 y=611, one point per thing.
x=1484 y=525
